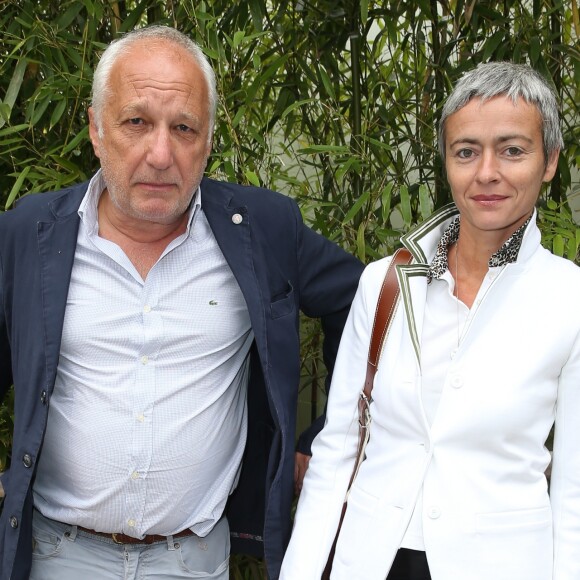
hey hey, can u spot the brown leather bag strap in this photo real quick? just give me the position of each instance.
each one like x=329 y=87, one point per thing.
x=386 y=306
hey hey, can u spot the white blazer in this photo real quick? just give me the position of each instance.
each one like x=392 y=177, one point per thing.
x=486 y=512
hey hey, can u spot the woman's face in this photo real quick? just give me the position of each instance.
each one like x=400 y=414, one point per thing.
x=495 y=165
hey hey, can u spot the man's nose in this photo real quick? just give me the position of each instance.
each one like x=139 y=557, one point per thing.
x=159 y=148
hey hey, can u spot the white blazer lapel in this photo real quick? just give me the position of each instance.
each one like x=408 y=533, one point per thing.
x=413 y=283
x=413 y=278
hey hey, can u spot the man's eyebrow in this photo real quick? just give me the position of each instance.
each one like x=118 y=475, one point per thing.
x=191 y=117
x=135 y=109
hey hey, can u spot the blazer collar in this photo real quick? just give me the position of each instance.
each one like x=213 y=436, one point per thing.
x=421 y=242
x=67 y=201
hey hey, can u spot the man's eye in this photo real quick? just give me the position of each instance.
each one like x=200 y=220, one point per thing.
x=183 y=128
x=136 y=121
x=513 y=151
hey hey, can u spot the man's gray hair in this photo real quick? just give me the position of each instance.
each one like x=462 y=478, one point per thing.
x=101 y=89
x=515 y=81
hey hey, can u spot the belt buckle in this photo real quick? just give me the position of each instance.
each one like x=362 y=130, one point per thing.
x=114 y=536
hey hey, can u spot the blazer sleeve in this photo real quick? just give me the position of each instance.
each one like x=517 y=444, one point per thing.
x=565 y=478
x=328 y=281
x=334 y=450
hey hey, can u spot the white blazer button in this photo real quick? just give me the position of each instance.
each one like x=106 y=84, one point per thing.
x=434 y=512
x=456 y=381
x=237 y=218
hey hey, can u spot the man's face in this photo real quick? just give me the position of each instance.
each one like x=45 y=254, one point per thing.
x=154 y=144
x=495 y=165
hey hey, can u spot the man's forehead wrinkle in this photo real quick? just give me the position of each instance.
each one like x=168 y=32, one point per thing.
x=138 y=83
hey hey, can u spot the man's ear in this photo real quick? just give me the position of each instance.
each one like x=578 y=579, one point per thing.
x=208 y=151
x=94 y=132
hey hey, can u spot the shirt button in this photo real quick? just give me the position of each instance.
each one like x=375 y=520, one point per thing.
x=14 y=522
x=43 y=397
x=144 y=360
x=135 y=475
x=434 y=512
x=141 y=418
x=27 y=460
x=131 y=523
x=147 y=308
x=237 y=218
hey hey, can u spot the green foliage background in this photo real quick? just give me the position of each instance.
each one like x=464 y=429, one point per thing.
x=333 y=102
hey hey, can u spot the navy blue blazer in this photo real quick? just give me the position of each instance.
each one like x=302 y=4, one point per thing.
x=282 y=267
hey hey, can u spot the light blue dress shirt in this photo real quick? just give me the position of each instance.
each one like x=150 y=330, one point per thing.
x=147 y=422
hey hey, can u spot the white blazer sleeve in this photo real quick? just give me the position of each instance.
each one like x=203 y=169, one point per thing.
x=334 y=449
x=565 y=480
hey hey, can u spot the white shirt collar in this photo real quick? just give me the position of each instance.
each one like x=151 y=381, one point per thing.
x=88 y=209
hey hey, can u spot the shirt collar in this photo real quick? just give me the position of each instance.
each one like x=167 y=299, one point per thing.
x=507 y=254
x=88 y=209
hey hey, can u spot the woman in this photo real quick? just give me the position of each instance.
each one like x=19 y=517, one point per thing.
x=482 y=357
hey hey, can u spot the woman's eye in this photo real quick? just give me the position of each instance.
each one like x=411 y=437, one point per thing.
x=465 y=153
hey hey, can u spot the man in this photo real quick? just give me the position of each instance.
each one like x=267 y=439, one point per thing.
x=136 y=312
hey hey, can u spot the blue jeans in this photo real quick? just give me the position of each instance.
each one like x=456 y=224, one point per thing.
x=63 y=552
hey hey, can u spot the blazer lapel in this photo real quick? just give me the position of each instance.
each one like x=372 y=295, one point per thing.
x=57 y=238
x=413 y=278
x=413 y=284
x=230 y=223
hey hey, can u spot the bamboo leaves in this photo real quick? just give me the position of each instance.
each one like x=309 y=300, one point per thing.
x=12 y=91
x=334 y=102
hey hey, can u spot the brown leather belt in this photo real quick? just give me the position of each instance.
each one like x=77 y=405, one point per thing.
x=125 y=539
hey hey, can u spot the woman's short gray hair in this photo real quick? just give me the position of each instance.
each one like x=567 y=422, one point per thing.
x=120 y=46
x=493 y=79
